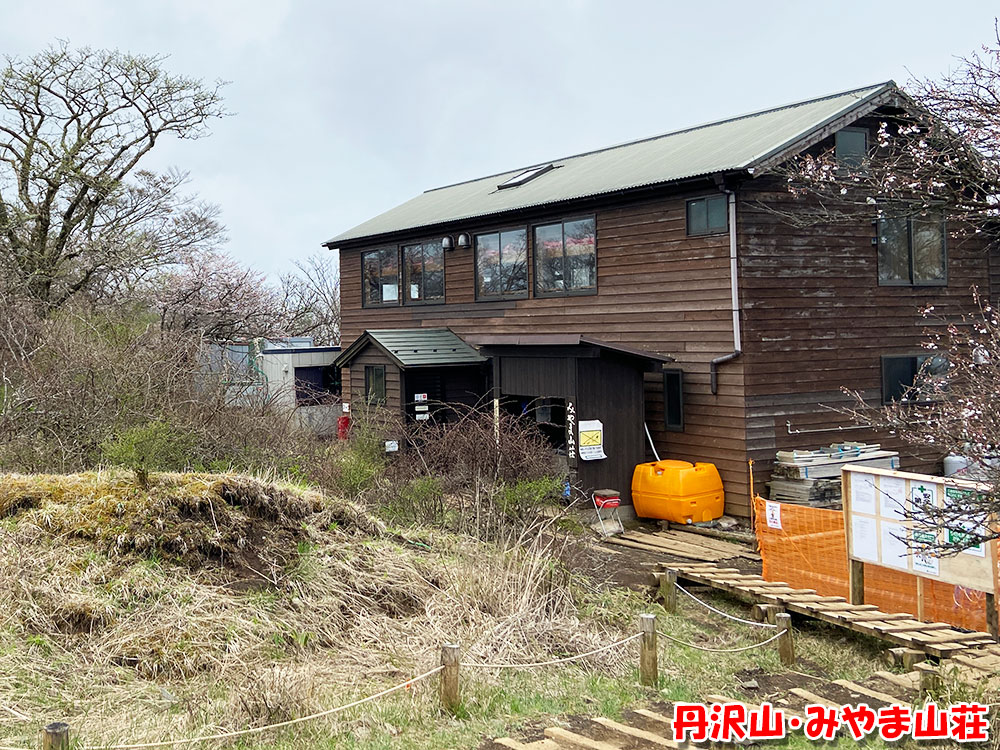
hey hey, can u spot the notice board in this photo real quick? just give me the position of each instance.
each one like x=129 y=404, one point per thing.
x=880 y=529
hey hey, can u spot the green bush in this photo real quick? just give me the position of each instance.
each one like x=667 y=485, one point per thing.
x=154 y=446
x=528 y=496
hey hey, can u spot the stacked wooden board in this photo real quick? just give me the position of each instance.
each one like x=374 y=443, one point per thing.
x=684 y=545
x=812 y=477
x=933 y=638
x=653 y=727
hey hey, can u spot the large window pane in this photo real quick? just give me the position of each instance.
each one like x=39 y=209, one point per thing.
x=423 y=266
x=928 y=251
x=549 y=271
x=390 y=275
x=380 y=276
x=413 y=268
x=433 y=270
x=488 y=282
x=371 y=273
x=893 y=251
x=581 y=255
x=514 y=263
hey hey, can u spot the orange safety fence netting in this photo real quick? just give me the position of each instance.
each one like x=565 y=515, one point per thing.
x=810 y=551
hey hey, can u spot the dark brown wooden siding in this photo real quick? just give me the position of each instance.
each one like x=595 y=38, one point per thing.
x=354 y=378
x=816 y=321
x=658 y=290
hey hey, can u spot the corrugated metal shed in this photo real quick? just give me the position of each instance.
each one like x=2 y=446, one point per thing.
x=731 y=145
x=416 y=347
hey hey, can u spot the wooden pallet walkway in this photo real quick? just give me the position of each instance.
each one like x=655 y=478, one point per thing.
x=684 y=545
x=936 y=639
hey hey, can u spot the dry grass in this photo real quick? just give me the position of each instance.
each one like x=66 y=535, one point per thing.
x=220 y=601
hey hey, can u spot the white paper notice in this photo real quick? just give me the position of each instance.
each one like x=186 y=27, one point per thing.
x=923 y=494
x=894 y=550
x=892 y=497
x=864 y=538
x=863 y=493
x=923 y=562
x=773 y=511
x=591 y=440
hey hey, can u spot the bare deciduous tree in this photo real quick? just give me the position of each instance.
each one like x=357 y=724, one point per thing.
x=75 y=208
x=312 y=299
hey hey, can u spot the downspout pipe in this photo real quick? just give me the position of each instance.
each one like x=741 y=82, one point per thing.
x=734 y=294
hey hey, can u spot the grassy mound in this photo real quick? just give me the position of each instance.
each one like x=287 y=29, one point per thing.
x=214 y=600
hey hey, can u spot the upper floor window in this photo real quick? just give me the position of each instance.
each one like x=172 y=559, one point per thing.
x=380 y=276
x=502 y=265
x=911 y=252
x=423 y=272
x=851 y=147
x=566 y=258
x=709 y=215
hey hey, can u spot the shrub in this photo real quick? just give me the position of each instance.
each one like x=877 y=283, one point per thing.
x=154 y=446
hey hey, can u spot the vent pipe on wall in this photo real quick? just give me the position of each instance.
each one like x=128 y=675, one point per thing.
x=734 y=293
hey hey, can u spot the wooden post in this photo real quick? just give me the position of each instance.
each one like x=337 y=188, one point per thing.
x=856 y=575
x=920 y=598
x=992 y=623
x=930 y=678
x=55 y=736
x=648 y=666
x=765 y=612
x=668 y=590
x=449 y=677
x=786 y=647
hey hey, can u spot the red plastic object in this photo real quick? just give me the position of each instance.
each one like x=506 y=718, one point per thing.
x=343 y=427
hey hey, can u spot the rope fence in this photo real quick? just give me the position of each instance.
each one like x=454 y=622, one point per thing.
x=708 y=606
x=56 y=736
x=752 y=646
x=564 y=660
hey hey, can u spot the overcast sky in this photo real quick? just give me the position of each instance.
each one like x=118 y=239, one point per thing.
x=345 y=109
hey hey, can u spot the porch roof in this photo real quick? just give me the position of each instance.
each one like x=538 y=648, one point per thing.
x=415 y=347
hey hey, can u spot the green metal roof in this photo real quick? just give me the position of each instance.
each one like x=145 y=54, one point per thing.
x=732 y=145
x=415 y=347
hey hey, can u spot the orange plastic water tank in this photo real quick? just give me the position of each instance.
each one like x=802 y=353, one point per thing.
x=677 y=491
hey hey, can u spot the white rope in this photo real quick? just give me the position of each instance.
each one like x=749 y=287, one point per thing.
x=531 y=665
x=725 y=614
x=258 y=730
x=774 y=637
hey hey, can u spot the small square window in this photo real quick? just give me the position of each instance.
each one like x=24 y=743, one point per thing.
x=851 y=147
x=673 y=400
x=900 y=381
x=375 y=384
x=708 y=215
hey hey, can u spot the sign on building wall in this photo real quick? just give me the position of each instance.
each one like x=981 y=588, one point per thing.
x=881 y=528
x=591 y=440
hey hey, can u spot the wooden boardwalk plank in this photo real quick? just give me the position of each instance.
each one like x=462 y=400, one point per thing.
x=635 y=733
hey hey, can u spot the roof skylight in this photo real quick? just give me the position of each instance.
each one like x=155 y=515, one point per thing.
x=525 y=176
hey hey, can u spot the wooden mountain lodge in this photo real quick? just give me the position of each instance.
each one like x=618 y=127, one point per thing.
x=649 y=284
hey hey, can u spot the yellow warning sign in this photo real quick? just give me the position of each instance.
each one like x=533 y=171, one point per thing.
x=591 y=439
